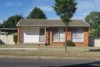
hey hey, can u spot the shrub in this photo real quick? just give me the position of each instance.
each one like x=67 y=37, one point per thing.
x=15 y=38
x=47 y=44
x=69 y=43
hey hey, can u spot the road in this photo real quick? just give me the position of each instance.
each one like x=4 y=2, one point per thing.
x=30 y=62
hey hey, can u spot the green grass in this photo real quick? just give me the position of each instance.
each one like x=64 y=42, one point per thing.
x=50 y=51
x=55 y=53
x=28 y=46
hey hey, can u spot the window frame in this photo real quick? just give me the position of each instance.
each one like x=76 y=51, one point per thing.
x=77 y=35
x=42 y=36
x=58 y=32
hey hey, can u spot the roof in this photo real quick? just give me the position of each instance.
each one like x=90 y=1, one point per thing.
x=51 y=23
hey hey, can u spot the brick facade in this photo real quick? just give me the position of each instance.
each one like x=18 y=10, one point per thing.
x=18 y=33
x=18 y=37
x=86 y=36
x=49 y=36
x=69 y=37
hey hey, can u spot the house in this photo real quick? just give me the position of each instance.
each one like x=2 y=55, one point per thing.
x=42 y=31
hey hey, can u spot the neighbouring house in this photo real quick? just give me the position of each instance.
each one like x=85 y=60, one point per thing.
x=42 y=31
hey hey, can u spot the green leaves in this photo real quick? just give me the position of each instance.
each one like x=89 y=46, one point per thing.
x=65 y=9
x=37 y=13
x=94 y=20
x=11 y=21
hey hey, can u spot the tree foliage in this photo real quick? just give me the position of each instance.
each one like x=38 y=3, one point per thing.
x=11 y=22
x=94 y=20
x=37 y=13
x=65 y=9
x=15 y=38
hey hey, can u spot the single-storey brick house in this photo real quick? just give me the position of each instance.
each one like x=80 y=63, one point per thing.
x=42 y=31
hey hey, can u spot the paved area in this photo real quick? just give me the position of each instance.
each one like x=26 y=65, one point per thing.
x=18 y=48
x=29 y=62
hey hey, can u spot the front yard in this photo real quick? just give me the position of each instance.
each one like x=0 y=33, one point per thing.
x=52 y=51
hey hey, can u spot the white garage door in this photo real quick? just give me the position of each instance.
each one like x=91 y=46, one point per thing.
x=30 y=35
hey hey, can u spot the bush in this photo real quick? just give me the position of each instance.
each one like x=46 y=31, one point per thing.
x=15 y=38
x=46 y=44
x=69 y=43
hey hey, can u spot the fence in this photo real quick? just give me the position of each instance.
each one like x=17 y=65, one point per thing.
x=94 y=42
x=6 y=39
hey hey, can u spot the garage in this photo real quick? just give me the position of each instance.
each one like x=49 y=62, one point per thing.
x=29 y=35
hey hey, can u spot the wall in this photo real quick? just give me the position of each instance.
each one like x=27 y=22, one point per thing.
x=29 y=34
x=94 y=42
x=6 y=39
x=69 y=35
x=85 y=34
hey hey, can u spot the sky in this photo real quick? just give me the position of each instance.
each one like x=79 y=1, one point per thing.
x=23 y=7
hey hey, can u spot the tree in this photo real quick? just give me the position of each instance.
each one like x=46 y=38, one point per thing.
x=65 y=9
x=1 y=25
x=12 y=21
x=94 y=20
x=37 y=13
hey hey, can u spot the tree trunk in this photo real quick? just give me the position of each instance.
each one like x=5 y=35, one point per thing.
x=66 y=40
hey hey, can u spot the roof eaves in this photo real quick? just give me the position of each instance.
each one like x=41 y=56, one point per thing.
x=18 y=23
x=77 y=26
x=86 y=23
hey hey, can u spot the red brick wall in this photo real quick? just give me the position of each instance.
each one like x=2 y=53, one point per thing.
x=86 y=36
x=46 y=35
x=18 y=36
x=49 y=35
x=69 y=35
x=18 y=33
x=51 y=38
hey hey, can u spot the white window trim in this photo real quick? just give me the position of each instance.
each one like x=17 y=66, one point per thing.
x=78 y=39
x=42 y=36
x=59 y=38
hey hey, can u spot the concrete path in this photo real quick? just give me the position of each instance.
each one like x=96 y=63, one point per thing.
x=18 y=48
x=31 y=48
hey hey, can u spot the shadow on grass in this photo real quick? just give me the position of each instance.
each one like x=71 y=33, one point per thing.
x=1 y=42
x=94 y=64
x=95 y=50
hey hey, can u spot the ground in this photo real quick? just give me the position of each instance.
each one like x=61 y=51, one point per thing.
x=30 y=62
x=51 y=51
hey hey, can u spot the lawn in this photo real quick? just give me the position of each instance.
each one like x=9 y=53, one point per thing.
x=26 y=46
x=53 y=51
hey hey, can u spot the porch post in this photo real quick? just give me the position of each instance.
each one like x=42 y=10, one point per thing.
x=18 y=36
x=45 y=36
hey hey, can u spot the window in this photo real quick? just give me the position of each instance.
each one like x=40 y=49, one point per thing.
x=77 y=35
x=41 y=37
x=58 y=35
